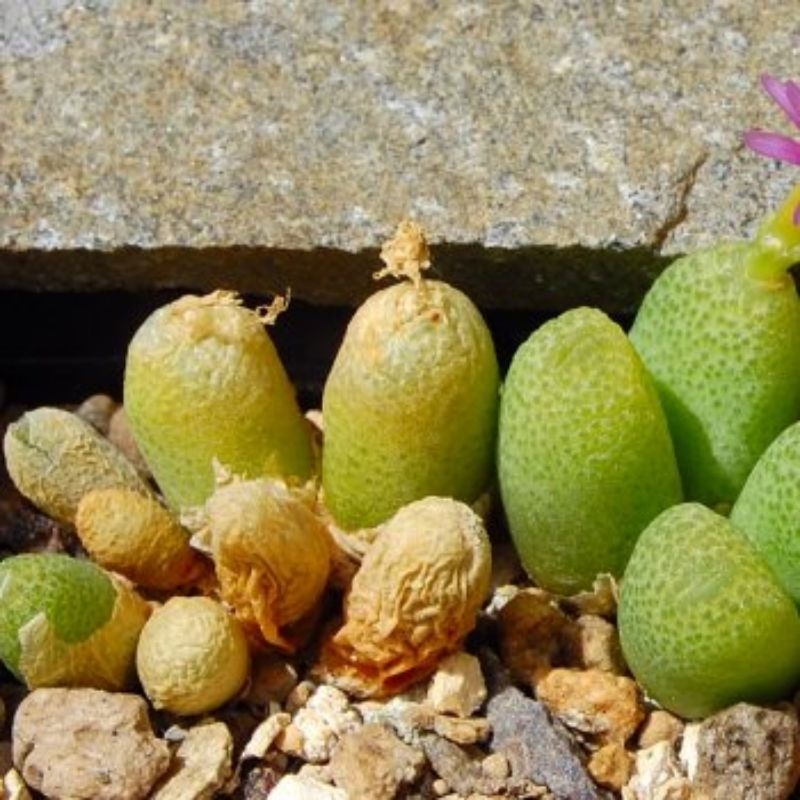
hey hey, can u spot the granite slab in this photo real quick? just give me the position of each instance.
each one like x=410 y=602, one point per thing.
x=555 y=152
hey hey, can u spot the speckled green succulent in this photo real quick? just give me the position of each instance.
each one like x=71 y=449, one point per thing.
x=703 y=621
x=65 y=621
x=585 y=460
x=410 y=404
x=719 y=331
x=767 y=510
x=204 y=383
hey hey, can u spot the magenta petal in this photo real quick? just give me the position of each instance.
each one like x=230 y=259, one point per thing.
x=793 y=98
x=785 y=94
x=774 y=145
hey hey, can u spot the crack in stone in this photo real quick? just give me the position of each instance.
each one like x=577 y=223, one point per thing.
x=680 y=208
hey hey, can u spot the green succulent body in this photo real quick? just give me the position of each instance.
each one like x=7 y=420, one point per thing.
x=721 y=336
x=410 y=404
x=203 y=382
x=703 y=622
x=767 y=510
x=585 y=460
x=66 y=622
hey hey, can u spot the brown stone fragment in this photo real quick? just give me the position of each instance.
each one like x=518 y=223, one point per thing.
x=462 y=731
x=119 y=433
x=97 y=410
x=535 y=636
x=85 y=743
x=598 y=645
x=373 y=762
x=611 y=766
x=606 y=706
x=660 y=726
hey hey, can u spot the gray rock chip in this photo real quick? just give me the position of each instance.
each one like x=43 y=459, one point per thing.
x=748 y=752
x=538 y=748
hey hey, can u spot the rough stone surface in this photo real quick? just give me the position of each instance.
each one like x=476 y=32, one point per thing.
x=201 y=765
x=747 y=752
x=657 y=776
x=320 y=723
x=298 y=787
x=606 y=706
x=84 y=743
x=660 y=726
x=263 y=144
x=457 y=687
x=372 y=762
x=537 y=747
x=611 y=766
x=460 y=773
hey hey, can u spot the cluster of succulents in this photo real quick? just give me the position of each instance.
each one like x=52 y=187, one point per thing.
x=666 y=456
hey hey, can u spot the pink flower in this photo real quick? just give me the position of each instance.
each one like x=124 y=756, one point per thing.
x=776 y=145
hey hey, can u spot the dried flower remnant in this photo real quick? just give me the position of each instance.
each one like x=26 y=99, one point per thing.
x=134 y=535
x=271 y=554
x=777 y=145
x=413 y=600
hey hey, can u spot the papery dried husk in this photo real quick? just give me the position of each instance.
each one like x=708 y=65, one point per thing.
x=134 y=535
x=271 y=554
x=413 y=600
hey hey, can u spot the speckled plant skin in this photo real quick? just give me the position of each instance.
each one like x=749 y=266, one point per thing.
x=203 y=381
x=767 y=510
x=723 y=350
x=703 y=622
x=410 y=404
x=67 y=622
x=585 y=461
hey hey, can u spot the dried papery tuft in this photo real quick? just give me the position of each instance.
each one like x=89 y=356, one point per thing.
x=413 y=600
x=134 y=535
x=269 y=313
x=406 y=254
x=271 y=553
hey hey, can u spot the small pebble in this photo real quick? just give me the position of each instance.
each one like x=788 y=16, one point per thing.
x=496 y=766
x=457 y=686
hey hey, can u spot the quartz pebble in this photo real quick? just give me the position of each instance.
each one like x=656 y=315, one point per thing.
x=606 y=706
x=86 y=743
x=457 y=686
x=372 y=762
x=321 y=722
x=657 y=775
x=407 y=718
x=747 y=752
